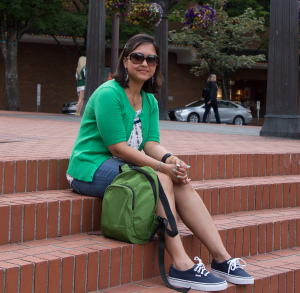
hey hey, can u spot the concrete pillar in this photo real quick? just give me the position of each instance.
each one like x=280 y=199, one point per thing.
x=115 y=43
x=95 y=56
x=161 y=37
x=282 y=111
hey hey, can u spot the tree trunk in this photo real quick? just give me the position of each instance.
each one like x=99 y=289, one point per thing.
x=9 y=51
x=226 y=85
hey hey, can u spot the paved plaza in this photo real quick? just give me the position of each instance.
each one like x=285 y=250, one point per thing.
x=45 y=136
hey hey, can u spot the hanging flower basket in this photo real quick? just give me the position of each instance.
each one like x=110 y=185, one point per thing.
x=145 y=15
x=117 y=6
x=200 y=17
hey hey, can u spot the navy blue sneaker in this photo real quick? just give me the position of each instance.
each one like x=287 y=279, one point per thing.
x=197 y=278
x=232 y=271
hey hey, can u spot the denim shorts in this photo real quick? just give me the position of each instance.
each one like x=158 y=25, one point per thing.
x=103 y=177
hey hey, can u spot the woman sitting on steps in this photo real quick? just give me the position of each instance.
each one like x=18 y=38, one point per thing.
x=120 y=120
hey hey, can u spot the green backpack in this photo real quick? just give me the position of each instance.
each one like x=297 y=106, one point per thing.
x=128 y=211
x=129 y=205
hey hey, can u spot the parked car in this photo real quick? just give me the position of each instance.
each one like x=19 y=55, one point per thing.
x=230 y=113
x=69 y=108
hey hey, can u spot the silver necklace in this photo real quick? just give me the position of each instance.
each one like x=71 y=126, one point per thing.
x=134 y=102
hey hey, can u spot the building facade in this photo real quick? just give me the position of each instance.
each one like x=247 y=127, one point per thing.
x=41 y=61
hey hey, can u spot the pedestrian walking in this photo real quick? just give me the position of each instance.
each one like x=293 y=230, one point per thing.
x=211 y=98
x=80 y=77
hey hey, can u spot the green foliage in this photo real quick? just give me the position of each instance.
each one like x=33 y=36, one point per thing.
x=24 y=13
x=238 y=7
x=221 y=48
x=178 y=10
x=64 y=22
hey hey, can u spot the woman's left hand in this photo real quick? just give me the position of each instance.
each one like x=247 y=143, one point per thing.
x=181 y=170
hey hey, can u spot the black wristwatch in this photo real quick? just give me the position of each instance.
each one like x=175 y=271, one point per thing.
x=167 y=155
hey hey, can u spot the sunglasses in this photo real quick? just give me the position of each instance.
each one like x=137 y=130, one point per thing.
x=138 y=58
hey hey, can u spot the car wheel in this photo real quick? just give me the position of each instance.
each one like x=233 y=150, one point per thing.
x=238 y=120
x=193 y=117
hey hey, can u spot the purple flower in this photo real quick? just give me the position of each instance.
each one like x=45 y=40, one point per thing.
x=200 y=16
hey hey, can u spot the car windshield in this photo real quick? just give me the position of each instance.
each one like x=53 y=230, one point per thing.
x=195 y=104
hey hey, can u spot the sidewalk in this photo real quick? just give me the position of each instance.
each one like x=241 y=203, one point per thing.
x=47 y=136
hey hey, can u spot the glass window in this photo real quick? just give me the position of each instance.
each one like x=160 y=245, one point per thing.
x=195 y=104
x=221 y=104
x=225 y=104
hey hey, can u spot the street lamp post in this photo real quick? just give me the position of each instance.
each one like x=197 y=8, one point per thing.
x=161 y=37
x=282 y=113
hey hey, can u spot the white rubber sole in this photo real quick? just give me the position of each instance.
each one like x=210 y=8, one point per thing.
x=232 y=279
x=198 y=286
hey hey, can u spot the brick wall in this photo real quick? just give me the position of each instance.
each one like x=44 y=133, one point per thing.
x=183 y=86
x=54 y=68
x=50 y=66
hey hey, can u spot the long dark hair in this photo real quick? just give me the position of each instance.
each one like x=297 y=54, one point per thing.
x=131 y=45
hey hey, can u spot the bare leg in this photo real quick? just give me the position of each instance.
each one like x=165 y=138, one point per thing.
x=80 y=102
x=196 y=217
x=180 y=259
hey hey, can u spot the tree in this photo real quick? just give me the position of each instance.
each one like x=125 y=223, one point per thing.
x=16 y=18
x=261 y=8
x=70 y=21
x=220 y=41
x=238 y=7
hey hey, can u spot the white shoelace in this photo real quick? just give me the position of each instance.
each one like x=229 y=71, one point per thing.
x=235 y=264
x=200 y=268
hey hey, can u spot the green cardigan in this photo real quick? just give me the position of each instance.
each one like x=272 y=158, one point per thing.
x=108 y=119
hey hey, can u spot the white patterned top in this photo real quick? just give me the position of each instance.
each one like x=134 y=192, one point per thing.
x=136 y=136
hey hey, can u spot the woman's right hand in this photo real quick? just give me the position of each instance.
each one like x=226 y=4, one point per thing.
x=178 y=175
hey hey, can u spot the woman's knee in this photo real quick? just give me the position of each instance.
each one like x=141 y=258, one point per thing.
x=81 y=97
x=166 y=183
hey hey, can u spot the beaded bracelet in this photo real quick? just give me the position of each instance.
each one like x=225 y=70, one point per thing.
x=159 y=166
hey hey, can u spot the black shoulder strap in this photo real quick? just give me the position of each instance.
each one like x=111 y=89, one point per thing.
x=164 y=200
x=162 y=228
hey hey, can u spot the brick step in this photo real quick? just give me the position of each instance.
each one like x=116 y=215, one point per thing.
x=87 y=263
x=46 y=214
x=226 y=166
x=223 y=196
x=33 y=175
x=39 y=175
x=77 y=263
x=272 y=272
x=250 y=233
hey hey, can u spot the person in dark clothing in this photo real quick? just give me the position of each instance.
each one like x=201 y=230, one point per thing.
x=243 y=103
x=211 y=99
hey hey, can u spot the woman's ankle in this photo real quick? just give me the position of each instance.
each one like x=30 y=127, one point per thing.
x=221 y=257
x=183 y=264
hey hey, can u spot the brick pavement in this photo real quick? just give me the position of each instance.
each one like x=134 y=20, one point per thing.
x=30 y=138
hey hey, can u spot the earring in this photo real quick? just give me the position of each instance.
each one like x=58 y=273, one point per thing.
x=152 y=80
x=126 y=73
